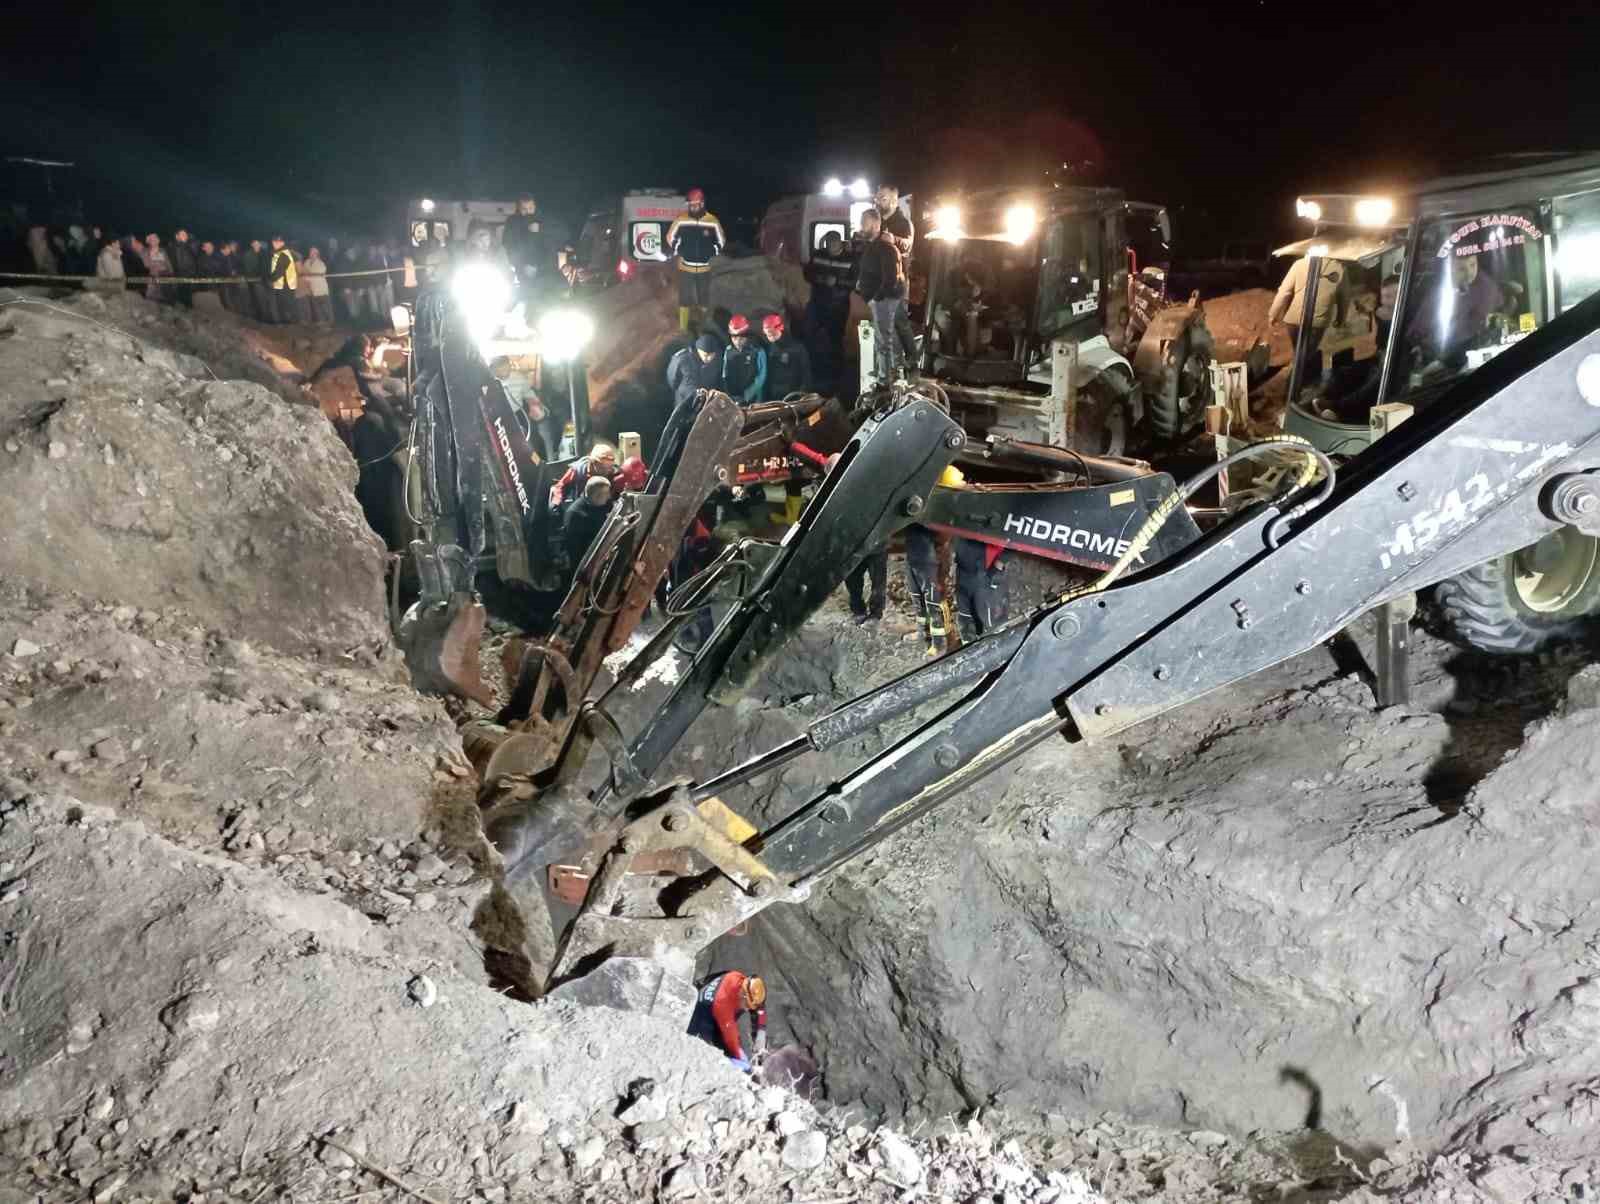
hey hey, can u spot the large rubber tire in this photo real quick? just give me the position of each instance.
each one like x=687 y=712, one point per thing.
x=1514 y=604
x=1176 y=407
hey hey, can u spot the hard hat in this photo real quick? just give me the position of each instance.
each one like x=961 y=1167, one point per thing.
x=738 y=324
x=772 y=323
x=634 y=474
x=697 y=194
x=754 y=992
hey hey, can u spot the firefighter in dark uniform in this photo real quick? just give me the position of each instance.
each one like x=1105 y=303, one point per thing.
x=980 y=602
x=788 y=364
x=695 y=238
x=922 y=578
x=744 y=363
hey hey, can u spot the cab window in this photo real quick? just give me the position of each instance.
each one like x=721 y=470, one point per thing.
x=1577 y=222
x=1069 y=273
x=1476 y=288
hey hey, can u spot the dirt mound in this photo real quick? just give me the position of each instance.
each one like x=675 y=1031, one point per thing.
x=1237 y=321
x=128 y=473
x=208 y=736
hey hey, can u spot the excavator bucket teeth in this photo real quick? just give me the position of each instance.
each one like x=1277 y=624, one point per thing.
x=442 y=649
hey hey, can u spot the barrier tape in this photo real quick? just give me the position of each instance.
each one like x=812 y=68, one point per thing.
x=194 y=279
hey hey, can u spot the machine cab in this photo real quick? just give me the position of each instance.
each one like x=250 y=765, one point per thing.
x=1011 y=272
x=1407 y=294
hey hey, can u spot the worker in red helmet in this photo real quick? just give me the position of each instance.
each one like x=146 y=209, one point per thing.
x=788 y=362
x=744 y=363
x=723 y=999
x=695 y=238
x=633 y=474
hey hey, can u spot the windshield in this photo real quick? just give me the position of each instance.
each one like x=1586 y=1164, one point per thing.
x=982 y=295
x=1069 y=273
x=1477 y=287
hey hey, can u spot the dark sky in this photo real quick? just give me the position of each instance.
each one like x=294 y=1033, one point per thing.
x=246 y=114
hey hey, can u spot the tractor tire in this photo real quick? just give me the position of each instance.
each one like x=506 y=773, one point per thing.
x=1516 y=603
x=1176 y=407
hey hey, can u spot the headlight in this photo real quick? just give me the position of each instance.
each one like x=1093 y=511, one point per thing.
x=563 y=333
x=1020 y=222
x=860 y=189
x=834 y=187
x=1374 y=211
x=483 y=294
x=946 y=222
x=1310 y=210
x=427 y=205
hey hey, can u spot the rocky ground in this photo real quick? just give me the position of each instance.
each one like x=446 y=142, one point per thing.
x=1280 y=945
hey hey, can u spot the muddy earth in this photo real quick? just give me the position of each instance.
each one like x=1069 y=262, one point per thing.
x=1279 y=945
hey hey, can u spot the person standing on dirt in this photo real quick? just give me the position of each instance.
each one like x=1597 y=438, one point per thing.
x=109 y=264
x=922 y=583
x=209 y=263
x=1288 y=308
x=723 y=1000
x=788 y=363
x=832 y=272
x=185 y=263
x=253 y=265
x=693 y=368
x=881 y=282
x=695 y=238
x=156 y=263
x=980 y=602
x=874 y=568
x=585 y=518
x=744 y=364
x=284 y=274
x=315 y=273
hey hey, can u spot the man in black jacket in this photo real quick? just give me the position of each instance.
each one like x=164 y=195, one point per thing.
x=788 y=363
x=881 y=282
x=695 y=238
x=209 y=263
x=523 y=239
x=697 y=366
x=184 y=263
x=256 y=264
x=584 y=520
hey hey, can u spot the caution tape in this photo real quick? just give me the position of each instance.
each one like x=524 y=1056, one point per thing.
x=191 y=279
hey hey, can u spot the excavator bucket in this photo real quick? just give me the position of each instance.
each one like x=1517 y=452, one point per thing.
x=441 y=648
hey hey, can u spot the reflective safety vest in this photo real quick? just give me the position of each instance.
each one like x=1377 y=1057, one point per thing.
x=291 y=274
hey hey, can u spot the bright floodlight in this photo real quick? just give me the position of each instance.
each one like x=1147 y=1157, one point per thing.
x=483 y=293
x=564 y=333
x=834 y=187
x=946 y=222
x=1310 y=210
x=427 y=205
x=1374 y=210
x=1020 y=223
x=860 y=189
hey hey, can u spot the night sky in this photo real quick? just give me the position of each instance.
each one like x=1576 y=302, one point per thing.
x=252 y=116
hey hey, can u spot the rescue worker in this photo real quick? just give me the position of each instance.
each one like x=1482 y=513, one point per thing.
x=633 y=475
x=601 y=461
x=723 y=1000
x=922 y=583
x=524 y=243
x=695 y=367
x=788 y=364
x=695 y=238
x=980 y=602
x=744 y=363
x=585 y=517
x=1288 y=308
x=284 y=275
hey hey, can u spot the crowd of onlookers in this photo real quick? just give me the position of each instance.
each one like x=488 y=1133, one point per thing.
x=351 y=281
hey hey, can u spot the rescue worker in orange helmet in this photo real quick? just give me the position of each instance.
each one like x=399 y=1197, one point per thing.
x=722 y=1001
x=695 y=238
